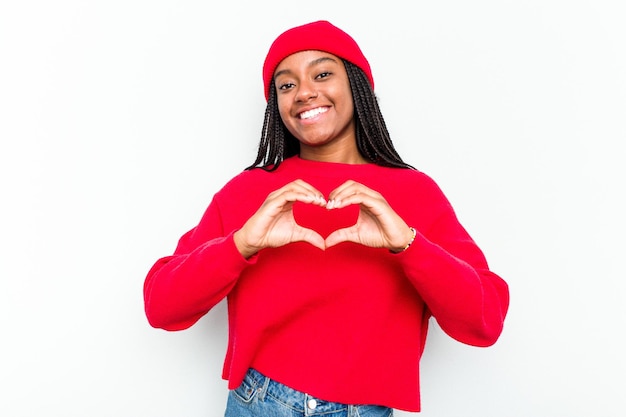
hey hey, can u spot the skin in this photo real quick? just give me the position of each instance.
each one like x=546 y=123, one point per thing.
x=317 y=82
x=313 y=80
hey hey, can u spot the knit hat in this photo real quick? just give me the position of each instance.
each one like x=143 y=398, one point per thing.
x=319 y=36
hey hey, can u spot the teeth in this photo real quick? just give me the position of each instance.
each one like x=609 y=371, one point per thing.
x=312 y=113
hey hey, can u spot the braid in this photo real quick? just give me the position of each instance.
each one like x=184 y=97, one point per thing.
x=277 y=143
x=372 y=137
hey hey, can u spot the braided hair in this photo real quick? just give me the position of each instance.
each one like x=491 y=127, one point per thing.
x=372 y=137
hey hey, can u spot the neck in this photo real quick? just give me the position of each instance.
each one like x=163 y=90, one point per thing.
x=324 y=154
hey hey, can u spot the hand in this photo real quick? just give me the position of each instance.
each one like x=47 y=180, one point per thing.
x=377 y=225
x=273 y=224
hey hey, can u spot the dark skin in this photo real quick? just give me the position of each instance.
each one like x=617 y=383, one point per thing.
x=315 y=104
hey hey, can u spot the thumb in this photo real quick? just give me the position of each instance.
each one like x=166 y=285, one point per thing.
x=347 y=234
x=302 y=234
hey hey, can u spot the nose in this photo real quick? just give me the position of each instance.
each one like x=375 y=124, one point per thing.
x=306 y=91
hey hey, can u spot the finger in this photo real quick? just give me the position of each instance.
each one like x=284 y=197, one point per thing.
x=370 y=201
x=306 y=188
x=341 y=188
x=296 y=186
x=310 y=236
x=285 y=196
x=347 y=188
x=352 y=193
x=342 y=235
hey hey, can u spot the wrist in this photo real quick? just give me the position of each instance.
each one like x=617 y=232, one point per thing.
x=408 y=244
x=244 y=249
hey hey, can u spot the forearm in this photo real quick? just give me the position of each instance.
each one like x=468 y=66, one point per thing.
x=180 y=289
x=468 y=300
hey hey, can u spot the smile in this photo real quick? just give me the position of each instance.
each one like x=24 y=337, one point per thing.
x=309 y=114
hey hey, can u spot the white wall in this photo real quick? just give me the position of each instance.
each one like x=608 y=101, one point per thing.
x=120 y=119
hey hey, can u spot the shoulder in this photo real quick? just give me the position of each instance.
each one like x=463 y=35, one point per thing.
x=254 y=182
x=243 y=184
x=411 y=191
x=410 y=179
x=246 y=178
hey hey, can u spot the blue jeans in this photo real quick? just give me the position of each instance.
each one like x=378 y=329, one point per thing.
x=259 y=396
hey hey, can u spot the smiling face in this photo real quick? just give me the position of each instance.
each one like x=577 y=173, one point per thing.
x=315 y=103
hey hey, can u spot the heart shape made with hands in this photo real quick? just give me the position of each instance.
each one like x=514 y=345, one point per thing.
x=323 y=220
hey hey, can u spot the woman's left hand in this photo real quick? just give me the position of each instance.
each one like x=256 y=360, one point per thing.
x=377 y=225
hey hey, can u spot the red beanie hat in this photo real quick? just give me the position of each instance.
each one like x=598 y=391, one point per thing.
x=319 y=36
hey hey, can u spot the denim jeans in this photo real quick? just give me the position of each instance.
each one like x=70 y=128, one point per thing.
x=259 y=396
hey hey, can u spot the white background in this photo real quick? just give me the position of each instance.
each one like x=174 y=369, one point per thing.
x=120 y=119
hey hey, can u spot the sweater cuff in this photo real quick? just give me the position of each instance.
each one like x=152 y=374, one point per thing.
x=232 y=253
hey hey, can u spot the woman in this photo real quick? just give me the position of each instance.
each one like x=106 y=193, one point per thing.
x=333 y=252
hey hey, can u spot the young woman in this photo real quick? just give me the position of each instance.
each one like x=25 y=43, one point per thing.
x=333 y=252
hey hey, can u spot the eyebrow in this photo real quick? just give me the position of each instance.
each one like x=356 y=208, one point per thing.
x=310 y=64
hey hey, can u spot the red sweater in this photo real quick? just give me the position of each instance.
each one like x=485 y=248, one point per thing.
x=347 y=324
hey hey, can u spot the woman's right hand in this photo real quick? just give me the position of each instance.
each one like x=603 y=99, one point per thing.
x=273 y=225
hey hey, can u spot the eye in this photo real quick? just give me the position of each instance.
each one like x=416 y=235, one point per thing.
x=324 y=74
x=285 y=86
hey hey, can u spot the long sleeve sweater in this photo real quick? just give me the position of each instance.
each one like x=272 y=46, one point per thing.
x=346 y=324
